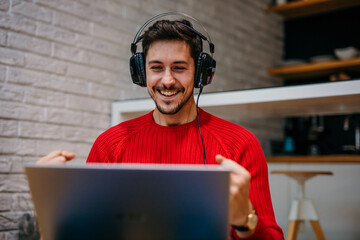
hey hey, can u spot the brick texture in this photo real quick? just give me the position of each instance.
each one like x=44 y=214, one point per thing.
x=63 y=62
x=4 y=5
x=2 y=37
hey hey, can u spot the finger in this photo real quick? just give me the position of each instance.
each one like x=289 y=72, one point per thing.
x=219 y=158
x=53 y=161
x=68 y=155
x=230 y=164
x=51 y=155
x=239 y=176
x=56 y=157
x=234 y=189
x=57 y=160
x=225 y=161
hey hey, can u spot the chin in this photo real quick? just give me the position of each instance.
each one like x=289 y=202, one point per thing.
x=167 y=110
x=171 y=108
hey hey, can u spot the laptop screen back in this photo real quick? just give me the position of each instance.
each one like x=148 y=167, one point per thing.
x=130 y=202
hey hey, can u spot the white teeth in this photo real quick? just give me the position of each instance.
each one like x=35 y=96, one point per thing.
x=168 y=93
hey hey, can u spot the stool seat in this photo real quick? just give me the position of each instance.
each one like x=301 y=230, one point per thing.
x=307 y=173
x=303 y=209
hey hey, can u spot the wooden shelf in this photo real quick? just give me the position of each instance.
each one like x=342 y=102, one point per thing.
x=314 y=159
x=275 y=102
x=311 y=7
x=316 y=69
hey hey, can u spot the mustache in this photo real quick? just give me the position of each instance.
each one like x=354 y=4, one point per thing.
x=172 y=88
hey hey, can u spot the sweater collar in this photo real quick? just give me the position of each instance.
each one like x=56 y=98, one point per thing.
x=202 y=115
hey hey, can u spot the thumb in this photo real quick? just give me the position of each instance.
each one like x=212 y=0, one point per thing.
x=219 y=158
x=68 y=155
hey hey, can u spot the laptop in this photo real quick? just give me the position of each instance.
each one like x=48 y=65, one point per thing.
x=130 y=202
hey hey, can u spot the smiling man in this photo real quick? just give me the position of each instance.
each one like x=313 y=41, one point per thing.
x=170 y=71
x=170 y=135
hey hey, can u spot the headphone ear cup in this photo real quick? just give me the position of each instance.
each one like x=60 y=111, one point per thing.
x=137 y=69
x=205 y=70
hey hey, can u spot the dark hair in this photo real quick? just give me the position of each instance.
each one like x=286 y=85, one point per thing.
x=172 y=30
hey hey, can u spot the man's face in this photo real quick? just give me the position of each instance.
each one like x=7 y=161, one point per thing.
x=170 y=73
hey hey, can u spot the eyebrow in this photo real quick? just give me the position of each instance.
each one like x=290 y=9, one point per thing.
x=181 y=62
x=176 y=62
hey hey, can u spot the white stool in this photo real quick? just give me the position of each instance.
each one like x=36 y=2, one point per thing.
x=303 y=209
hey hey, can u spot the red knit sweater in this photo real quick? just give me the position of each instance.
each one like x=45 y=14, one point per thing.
x=141 y=140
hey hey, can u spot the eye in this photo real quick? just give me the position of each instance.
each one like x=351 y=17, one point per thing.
x=179 y=68
x=156 y=68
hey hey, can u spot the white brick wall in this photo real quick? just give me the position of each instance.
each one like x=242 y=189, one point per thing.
x=63 y=62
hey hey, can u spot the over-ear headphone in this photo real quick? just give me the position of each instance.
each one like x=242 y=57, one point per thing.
x=204 y=65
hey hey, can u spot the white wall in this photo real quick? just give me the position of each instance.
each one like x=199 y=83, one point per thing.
x=336 y=198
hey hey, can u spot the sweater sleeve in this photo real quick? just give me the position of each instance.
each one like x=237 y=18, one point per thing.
x=104 y=147
x=94 y=156
x=252 y=158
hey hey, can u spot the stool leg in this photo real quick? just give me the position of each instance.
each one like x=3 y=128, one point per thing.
x=317 y=230
x=292 y=230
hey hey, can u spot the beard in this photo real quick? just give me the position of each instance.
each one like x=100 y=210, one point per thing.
x=164 y=108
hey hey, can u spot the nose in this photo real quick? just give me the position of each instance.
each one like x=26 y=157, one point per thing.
x=168 y=79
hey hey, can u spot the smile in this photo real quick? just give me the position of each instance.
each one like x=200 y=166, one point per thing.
x=168 y=93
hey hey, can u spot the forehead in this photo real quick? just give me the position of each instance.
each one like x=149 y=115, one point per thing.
x=168 y=50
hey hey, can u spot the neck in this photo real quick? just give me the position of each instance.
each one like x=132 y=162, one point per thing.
x=186 y=114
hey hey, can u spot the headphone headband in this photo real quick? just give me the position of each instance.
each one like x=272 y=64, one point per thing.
x=138 y=37
x=168 y=14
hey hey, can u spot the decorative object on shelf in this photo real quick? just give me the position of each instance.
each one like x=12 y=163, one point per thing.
x=292 y=62
x=280 y=2
x=316 y=128
x=289 y=145
x=352 y=148
x=322 y=58
x=346 y=53
x=341 y=76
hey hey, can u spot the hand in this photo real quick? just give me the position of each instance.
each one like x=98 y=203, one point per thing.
x=240 y=205
x=56 y=157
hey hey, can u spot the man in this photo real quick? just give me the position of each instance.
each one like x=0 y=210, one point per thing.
x=170 y=134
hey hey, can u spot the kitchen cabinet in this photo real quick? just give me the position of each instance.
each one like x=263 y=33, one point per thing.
x=313 y=30
x=302 y=8
x=314 y=159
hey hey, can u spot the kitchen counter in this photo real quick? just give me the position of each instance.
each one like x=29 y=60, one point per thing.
x=314 y=159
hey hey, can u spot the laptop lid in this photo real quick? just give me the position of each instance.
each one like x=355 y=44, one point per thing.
x=130 y=201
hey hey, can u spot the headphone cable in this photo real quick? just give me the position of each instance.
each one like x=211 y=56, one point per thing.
x=198 y=120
